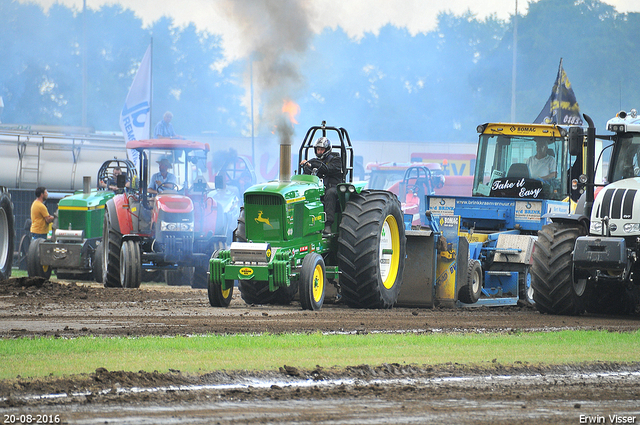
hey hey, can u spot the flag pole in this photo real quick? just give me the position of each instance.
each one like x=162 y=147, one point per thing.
x=151 y=91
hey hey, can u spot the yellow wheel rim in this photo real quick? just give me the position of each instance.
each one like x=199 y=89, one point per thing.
x=225 y=293
x=318 y=283
x=389 y=251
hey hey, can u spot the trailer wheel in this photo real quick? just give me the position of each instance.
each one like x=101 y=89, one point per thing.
x=96 y=264
x=111 y=239
x=7 y=234
x=525 y=289
x=371 y=249
x=217 y=296
x=130 y=265
x=555 y=288
x=471 y=291
x=34 y=268
x=312 y=282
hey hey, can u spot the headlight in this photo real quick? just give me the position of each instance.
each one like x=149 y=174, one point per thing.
x=167 y=226
x=632 y=228
x=596 y=228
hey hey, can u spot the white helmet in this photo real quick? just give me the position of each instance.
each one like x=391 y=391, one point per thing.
x=322 y=142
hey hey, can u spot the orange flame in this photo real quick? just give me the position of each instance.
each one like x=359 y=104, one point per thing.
x=292 y=109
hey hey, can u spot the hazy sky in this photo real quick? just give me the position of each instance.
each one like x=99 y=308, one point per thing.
x=356 y=17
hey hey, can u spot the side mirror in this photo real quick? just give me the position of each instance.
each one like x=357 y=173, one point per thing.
x=576 y=140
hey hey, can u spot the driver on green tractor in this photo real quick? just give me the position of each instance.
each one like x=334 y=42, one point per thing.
x=328 y=166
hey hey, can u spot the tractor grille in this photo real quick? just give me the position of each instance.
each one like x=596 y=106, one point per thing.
x=266 y=200
x=617 y=204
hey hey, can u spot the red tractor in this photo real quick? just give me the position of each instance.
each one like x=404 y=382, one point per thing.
x=176 y=230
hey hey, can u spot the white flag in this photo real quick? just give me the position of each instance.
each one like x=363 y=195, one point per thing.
x=134 y=118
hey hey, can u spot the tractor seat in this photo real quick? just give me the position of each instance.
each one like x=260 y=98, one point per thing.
x=518 y=169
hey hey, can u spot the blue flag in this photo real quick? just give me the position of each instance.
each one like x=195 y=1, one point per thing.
x=134 y=118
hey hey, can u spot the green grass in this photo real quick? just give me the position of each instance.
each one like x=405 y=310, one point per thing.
x=44 y=356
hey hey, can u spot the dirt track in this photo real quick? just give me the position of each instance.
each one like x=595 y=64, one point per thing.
x=375 y=394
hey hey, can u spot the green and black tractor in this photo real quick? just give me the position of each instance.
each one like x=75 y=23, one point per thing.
x=279 y=247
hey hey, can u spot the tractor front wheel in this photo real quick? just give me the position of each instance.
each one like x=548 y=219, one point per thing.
x=130 y=265
x=371 y=250
x=555 y=288
x=312 y=282
x=217 y=296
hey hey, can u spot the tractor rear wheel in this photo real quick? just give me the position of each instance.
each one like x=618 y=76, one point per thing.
x=217 y=296
x=555 y=288
x=312 y=282
x=112 y=240
x=471 y=291
x=371 y=250
x=7 y=233
x=34 y=268
x=130 y=264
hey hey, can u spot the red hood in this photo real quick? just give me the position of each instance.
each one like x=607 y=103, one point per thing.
x=174 y=203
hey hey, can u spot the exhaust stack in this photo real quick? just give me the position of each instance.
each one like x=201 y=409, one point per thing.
x=285 y=162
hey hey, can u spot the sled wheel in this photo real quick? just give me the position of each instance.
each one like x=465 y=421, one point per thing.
x=130 y=265
x=371 y=250
x=312 y=282
x=219 y=297
x=111 y=239
x=555 y=288
x=471 y=291
x=7 y=233
x=34 y=268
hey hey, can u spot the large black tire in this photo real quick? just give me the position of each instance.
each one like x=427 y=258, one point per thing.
x=96 y=264
x=472 y=289
x=556 y=290
x=7 y=234
x=130 y=264
x=371 y=250
x=239 y=235
x=218 y=297
x=312 y=282
x=34 y=268
x=525 y=289
x=612 y=298
x=112 y=241
x=183 y=276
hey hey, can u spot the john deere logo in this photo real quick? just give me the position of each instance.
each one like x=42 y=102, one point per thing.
x=261 y=219
x=246 y=271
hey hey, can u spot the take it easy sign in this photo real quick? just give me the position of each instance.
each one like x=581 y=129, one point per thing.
x=516 y=188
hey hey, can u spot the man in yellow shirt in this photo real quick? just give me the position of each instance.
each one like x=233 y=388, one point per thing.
x=40 y=218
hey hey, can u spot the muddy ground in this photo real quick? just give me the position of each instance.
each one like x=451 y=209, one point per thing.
x=388 y=393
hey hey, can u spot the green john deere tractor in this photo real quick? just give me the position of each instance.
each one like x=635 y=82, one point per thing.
x=279 y=246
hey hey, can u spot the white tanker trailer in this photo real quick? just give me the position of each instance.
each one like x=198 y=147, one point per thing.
x=54 y=157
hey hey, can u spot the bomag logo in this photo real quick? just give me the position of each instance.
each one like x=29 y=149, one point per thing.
x=246 y=271
x=525 y=129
